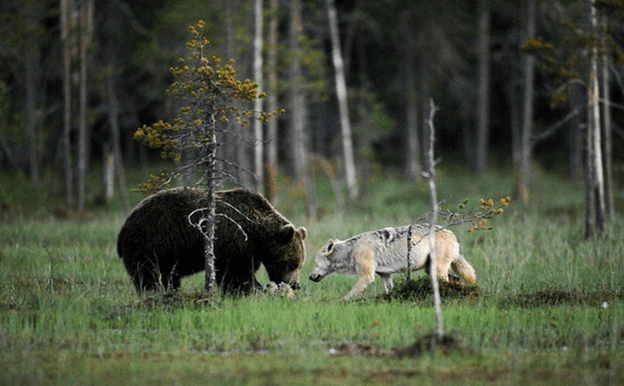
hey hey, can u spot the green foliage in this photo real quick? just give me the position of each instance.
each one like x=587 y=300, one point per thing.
x=478 y=219
x=204 y=91
x=566 y=58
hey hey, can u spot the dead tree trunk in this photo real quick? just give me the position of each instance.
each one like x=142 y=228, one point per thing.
x=430 y=176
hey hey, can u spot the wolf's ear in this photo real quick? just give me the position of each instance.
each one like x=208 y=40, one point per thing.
x=328 y=248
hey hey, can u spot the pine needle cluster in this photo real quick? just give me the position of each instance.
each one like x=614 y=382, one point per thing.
x=204 y=90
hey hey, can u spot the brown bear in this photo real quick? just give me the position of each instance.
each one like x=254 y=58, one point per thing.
x=159 y=246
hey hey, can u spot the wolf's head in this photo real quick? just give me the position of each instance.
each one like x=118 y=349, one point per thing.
x=332 y=258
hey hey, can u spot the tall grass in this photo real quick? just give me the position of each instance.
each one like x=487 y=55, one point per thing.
x=68 y=311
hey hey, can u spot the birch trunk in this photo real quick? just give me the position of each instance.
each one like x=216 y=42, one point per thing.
x=527 y=111
x=343 y=106
x=606 y=113
x=257 y=124
x=272 y=142
x=483 y=102
x=66 y=21
x=299 y=155
x=412 y=145
x=86 y=17
x=594 y=137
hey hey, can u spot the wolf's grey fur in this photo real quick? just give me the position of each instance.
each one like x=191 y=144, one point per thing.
x=384 y=252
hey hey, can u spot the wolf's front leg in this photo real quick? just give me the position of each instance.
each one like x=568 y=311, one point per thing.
x=365 y=268
x=360 y=286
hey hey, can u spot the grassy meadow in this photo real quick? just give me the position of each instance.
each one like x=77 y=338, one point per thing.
x=549 y=309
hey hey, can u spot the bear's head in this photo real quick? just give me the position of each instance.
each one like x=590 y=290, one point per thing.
x=286 y=255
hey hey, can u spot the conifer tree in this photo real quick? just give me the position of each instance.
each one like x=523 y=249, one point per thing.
x=204 y=91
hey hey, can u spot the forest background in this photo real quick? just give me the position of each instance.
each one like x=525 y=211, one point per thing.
x=510 y=78
x=518 y=112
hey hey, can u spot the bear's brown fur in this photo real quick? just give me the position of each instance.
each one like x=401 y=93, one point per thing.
x=158 y=245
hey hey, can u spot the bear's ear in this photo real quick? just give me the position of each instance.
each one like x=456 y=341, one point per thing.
x=328 y=248
x=302 y=232
x=286 y=233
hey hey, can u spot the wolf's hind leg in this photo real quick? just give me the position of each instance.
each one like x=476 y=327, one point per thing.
x=386 y=279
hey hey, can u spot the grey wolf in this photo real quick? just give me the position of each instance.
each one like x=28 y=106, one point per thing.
x=384 y=252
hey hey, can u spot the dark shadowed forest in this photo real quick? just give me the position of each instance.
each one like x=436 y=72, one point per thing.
x=520 y=85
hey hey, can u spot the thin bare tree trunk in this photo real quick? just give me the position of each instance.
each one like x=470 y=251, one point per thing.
x=483 y=104
x=257 y=124
x=299 y=156
x=430 y=175
x=241 y=148
x=30 y=75
x=343 y=107
x=116 y=138
x=412 y=145
x=209 y=235
x=594 y=136
x=527 y=110
x=272 y=102
x=112 y=44
x=86 y=15
x=66 y=22
x=606 y=113
x=575 y=136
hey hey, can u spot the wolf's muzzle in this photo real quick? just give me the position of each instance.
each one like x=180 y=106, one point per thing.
x=316 y=278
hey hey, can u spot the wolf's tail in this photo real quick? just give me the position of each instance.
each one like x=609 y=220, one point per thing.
x=462 y=267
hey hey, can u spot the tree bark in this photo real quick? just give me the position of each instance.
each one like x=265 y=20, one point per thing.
x=257 y=124
x=483 y=102
x=594 y=135
x=210 y=216
x=86 y=17
x=524 y=173
x=112 y=44
x=30 y=76
x=66 y=27
x=412 y=145
x=343 y=106
x=272 y=140
x=430 y=175
x=299 y=156
x=606 y=113
x=113 y=117
x=575 y=136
